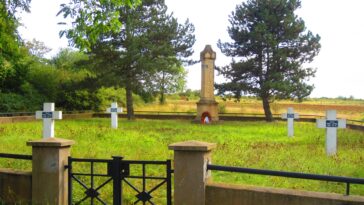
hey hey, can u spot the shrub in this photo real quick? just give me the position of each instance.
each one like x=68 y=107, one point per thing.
x=222 y=108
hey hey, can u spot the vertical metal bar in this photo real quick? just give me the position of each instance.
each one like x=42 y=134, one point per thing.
x=116 y=175
x=92 y=181
x=143 y=180
x=347 y=189
x=169 y=184
x=69 y=180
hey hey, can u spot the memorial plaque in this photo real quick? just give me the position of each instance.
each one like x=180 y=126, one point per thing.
x=290 y=115
x=332 y=123
x=47 y=115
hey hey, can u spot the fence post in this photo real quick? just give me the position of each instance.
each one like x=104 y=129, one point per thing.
x=49 y=175
x=190 y=171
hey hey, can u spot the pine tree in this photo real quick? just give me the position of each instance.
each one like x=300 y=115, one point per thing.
x=272 y=45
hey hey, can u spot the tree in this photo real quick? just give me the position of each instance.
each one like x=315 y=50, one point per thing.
x=68 y=59
x=148 y=42
x=37 y=48
x=272 y=44
x=12 y=54
x=170 y=81
x=92 y=18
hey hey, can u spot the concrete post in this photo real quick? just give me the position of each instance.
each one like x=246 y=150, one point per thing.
x=190 y=171
x=49 y=177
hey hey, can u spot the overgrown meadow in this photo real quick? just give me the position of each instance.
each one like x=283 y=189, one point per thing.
x=244 y=144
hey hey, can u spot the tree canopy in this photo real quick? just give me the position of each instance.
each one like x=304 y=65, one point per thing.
x=272 y=45
x=148 y=42
x=12 y=65
x=92 y=18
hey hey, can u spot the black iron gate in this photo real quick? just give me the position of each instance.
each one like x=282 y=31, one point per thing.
x=103 y=181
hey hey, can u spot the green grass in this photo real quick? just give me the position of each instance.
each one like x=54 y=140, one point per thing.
x=244 y=144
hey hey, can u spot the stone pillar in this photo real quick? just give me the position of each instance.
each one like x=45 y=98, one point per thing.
x=207 y=103
x=190 y=171
x=49 y=176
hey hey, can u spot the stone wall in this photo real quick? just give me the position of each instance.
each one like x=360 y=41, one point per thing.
x=217 y=194
x=15 y=187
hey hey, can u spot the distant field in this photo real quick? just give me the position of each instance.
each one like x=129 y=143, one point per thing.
x=244 y=144
x=349 y=109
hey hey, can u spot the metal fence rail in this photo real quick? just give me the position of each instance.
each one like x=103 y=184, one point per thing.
x=16 y=156
x=347 y=180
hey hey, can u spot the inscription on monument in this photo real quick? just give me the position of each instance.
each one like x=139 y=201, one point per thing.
x=114 y=109
x=332 y=123
x=290 y=115
x=47 y=115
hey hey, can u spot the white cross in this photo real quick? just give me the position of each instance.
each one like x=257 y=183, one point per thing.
x=114 y=110
x=331 y=124
x=290 y=116
x=48 y=115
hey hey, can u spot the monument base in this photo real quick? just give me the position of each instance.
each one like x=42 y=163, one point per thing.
x=209 y=109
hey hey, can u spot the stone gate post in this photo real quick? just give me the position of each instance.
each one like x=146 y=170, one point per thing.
x=49 y=176
x=190 y=171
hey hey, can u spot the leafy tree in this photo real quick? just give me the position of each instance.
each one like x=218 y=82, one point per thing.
x=272 y=44
x=92 y=18
x=67 y=59
x=148 y=41
x=37 y=48
x=170 y=81
x=12 y=62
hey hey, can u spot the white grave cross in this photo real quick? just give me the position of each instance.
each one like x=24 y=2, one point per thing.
x=48 y=115
x=331 y=124
x=114 y=110
x=290 y=116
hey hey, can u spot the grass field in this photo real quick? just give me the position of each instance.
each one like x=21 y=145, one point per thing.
x=349 y=109
x=244 y=144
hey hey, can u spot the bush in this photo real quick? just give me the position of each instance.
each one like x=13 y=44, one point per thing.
x=105 y=96
x=222 y=108
x=12 y=102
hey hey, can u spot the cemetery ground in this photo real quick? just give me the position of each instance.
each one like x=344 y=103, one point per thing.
x=244 y=144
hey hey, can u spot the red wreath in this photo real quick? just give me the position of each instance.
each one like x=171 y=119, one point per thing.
x=203 y=116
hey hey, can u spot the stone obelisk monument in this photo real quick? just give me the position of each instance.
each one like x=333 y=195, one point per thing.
x=207 y=106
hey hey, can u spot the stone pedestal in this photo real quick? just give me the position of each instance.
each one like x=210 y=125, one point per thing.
x=190 y=171
x=210 y=107
x=49 y=176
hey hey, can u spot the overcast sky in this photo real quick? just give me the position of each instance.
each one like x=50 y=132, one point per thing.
x=340 y=69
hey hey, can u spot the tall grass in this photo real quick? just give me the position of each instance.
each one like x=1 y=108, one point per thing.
x=349 y=109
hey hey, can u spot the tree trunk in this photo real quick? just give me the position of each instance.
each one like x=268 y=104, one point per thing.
x=266 y=107
x=162 y=99
x=129 y=100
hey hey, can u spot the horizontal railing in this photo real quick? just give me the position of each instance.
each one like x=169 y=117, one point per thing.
x=16 y=156
x=347 y=180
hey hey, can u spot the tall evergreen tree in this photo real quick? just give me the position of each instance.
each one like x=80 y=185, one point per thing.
x=272 y=44
x=149 y=41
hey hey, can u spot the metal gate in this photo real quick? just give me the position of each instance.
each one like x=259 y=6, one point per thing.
x=103 y=181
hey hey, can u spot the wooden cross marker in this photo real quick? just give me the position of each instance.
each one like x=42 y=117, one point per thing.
x=114 y=110
x=290 y=116
x=331 y=123
x=48 y=115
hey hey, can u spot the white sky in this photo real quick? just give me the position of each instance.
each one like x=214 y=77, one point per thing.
x=339 y=23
